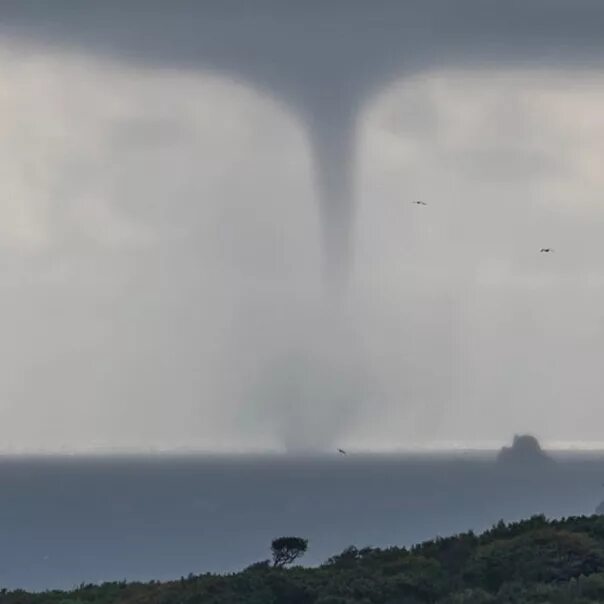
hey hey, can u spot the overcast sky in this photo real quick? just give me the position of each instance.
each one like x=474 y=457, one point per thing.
x=161 y=262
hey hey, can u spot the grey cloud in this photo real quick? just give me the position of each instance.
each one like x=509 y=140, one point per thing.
x=148 y=132
x=462 y=328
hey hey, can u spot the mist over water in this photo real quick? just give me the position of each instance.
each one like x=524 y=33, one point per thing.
x=315 y=388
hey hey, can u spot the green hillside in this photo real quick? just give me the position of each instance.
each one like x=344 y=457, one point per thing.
x=535 y=560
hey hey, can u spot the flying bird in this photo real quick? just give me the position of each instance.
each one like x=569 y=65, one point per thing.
x=546 y=250
x=342 y=451
x=419 y=203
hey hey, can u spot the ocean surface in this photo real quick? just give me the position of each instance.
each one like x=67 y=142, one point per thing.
x=68 y=520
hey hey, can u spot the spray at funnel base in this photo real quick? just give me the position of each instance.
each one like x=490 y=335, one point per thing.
x=310 y=394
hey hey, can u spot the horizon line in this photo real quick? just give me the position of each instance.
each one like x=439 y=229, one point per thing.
x=428 y=448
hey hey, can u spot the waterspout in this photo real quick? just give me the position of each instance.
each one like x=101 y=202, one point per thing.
x=333 y=148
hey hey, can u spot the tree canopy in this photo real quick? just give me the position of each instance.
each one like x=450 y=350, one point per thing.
x=287 y=549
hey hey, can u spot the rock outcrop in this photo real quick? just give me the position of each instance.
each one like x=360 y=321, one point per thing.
x=524 y=450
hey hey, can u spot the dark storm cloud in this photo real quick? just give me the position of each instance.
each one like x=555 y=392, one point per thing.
x=299 y=49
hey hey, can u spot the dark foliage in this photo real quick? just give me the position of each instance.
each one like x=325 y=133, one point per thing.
x=287 y=549
x=534 y=561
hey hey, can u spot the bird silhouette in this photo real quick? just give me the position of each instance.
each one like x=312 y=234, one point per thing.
x=342 y=451
x=546 y=250
x=419 y=203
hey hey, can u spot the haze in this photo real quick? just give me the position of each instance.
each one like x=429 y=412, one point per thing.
x=162 y=230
